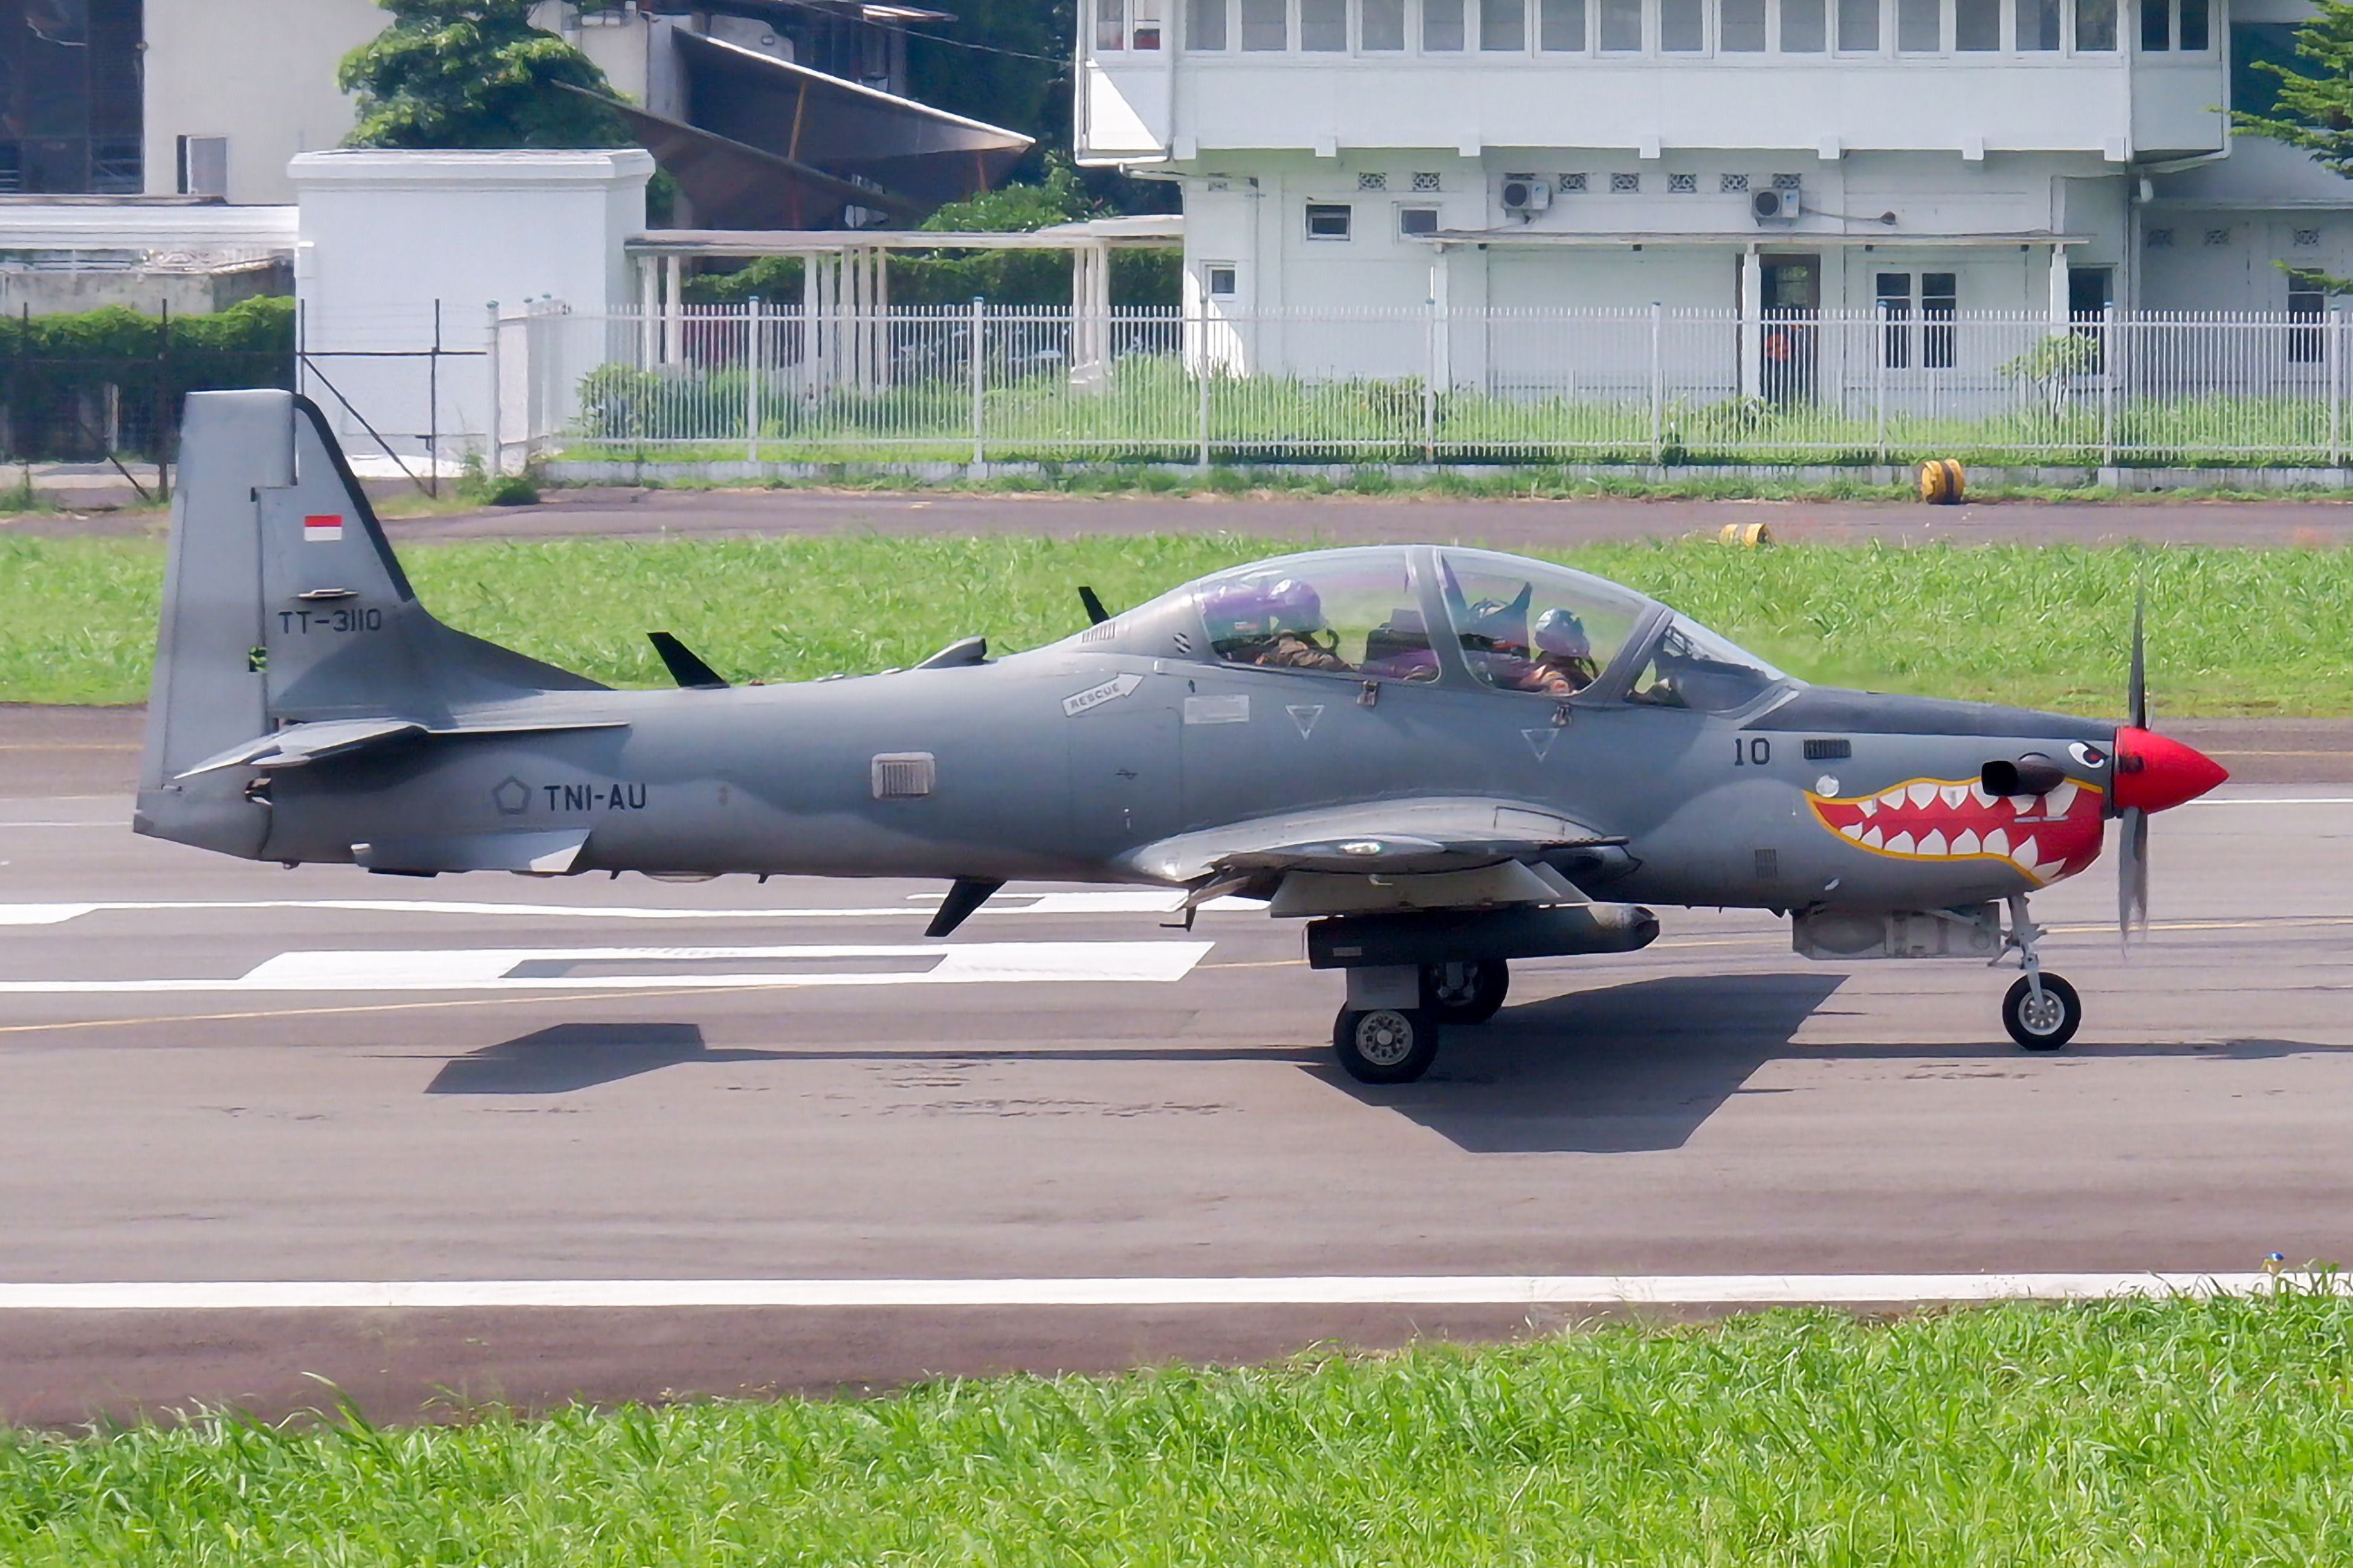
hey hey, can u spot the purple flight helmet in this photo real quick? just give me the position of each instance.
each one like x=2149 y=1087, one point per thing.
x=1560 y=635
x=1261 y=606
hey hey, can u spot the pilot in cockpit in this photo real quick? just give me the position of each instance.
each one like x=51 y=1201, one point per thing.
x=1276 y=623
x=1564 y=664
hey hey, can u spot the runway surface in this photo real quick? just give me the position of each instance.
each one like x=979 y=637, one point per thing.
x=620 y=512
x=213 y=1073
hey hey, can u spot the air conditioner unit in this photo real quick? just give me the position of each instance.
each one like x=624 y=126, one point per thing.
x=1527 y=194
x=1775 y=206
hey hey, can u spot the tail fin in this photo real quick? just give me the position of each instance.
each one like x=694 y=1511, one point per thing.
x=284 y=603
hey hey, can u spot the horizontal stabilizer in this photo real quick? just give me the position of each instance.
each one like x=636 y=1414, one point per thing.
x=685 y=665
x=547 y=853
x=299 y=745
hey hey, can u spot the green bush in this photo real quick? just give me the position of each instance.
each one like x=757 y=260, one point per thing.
x=49 y=365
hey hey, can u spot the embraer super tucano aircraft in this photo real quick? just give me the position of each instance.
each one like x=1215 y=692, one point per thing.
x=1440 y=760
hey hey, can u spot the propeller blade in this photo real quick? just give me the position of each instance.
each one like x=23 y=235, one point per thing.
x=2136 y=692
x=2132 y=876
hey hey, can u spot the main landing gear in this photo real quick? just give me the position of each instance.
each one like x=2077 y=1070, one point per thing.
x=1387 y=1033
x=2042 y=1011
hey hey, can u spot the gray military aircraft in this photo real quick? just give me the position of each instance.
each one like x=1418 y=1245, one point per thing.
x=1438 y=759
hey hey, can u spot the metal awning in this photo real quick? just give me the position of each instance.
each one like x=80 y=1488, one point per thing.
x=1152 y=231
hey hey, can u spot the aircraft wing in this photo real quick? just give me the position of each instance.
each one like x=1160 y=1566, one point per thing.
x=1424 y=854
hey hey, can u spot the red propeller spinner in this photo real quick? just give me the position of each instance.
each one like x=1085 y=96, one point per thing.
x=2155 y=772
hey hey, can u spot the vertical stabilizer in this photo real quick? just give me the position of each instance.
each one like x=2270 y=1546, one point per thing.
x=283 y=604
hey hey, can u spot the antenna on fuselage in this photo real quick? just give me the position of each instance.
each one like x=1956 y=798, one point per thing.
x=1096 y=614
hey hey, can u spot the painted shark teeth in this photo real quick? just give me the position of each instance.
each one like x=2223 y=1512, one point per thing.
x=1901 y=845
x=1933 y=843
x=1923 y=793
x=1965 y=843
x=1868 y=807
x=1954 y=795
x=2058 y=800
x=1872 y=839
x=1997 y=841
x=1852 y=830
x=1892 y=797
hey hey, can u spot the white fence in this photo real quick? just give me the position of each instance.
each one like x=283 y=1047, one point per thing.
x=1603 y=385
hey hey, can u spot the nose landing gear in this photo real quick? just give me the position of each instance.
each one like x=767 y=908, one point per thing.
x=2042 y=1011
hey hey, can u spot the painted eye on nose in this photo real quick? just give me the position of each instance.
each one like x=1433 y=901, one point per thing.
x=2089 y=756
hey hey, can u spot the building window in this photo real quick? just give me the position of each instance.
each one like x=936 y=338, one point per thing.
x=2306 y=237
x=2218 y=236
x=1683 y=27
x=204 y=166
x=2155 y=27
x=1204 y=24
x=1217 y=278
x=1733 y=184
x=1625 y=184
x=1621 y=25
x=1560 y=25
x=1940 y=300
x=2197 y=29
x=1371 y=181
x=1442 y=26
x=1805 y=26
x=1504 y=25
x=1571 y=184
x=1110 y=24
x=1682 y=184
x=1328 y=220
x=1266 y=24
x=1323 y=26
x=1976 y=25
x=1858 y=27
x=71 y=105
x=2307 y=301
x=1919 y=27
x=2095 y=27
x=1381 y=27
x=1425 y=181
x=2038 y=24
x=1895 y=291
x=1415 y=223
x=1740 y=26
x=2158 y=240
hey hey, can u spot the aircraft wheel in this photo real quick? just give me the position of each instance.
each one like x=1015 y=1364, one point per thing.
x=2045 y=1025
x=1466 y=992
x=1385 y=1044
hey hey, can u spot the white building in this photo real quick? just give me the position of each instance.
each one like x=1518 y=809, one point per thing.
x=1776 y=155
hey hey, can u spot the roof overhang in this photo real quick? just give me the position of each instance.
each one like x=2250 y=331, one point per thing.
x=1157 y=232
x=1754 y=239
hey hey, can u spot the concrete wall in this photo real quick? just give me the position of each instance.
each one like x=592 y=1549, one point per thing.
x=59 y=292
x=392 y=242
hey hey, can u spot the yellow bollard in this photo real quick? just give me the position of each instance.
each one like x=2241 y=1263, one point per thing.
x=1747 y=535
x=1942 y=482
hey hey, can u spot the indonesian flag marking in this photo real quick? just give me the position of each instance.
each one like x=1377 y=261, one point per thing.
x=322 y=529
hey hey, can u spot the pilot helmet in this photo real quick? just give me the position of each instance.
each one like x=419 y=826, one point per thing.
x=1560 y=635
x=1262 y=606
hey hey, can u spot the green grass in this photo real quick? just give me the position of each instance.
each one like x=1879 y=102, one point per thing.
x=2230 y=630
x=2163 y=1433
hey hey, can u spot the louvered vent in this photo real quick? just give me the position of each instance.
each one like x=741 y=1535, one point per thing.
x=1769 y=865
x=1101 y=632
x=1828 y=751
x=904 y=775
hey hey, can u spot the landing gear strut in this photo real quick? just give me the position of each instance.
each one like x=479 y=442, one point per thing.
x=2042 y=1011
x=1386 y=1033
x=1468 y=993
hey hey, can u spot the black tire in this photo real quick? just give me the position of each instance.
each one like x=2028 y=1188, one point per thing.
x=1385 y=1044
x=2054 y=1026
x=1472 y=994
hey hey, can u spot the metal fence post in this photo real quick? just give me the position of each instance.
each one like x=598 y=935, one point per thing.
x=753 y=360
x=2334 y=345
x=979 y=380
x=2108 y=386
x=163 y=404
x=1657 y=386
x=1201 y=371
x=494 y=445
x=1877 y=341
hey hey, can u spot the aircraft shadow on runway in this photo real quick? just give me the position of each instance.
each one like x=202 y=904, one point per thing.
x=1638 y=1067
x=569 y=1056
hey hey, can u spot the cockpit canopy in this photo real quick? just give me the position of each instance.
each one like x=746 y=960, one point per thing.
x=1502 y=622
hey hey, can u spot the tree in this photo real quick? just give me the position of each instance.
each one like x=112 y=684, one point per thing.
x=475 y=74
x=2313 y=111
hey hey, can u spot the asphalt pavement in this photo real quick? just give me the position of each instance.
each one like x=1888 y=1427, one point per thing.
x=213 y=1073
x=615 y=512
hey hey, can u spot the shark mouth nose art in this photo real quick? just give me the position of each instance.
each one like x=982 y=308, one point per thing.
x=2045 y=837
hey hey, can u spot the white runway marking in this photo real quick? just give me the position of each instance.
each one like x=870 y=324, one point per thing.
x=2296 y=800
x=1141 y=901
x=492 y=969
x=1507 y=1291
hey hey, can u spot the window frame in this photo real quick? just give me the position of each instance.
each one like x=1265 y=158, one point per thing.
x=1311 y=210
